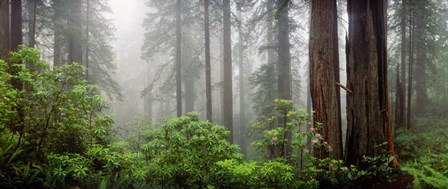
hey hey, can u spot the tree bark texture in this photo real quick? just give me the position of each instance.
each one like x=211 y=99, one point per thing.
x=324 y=57
x=367 y=111
x=4 y=29
x=178 y=59
x=228 y=94
x=208 y=78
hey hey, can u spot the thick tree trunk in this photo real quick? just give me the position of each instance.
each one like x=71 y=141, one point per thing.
x=324 y=57
x=284 y=55
x=75 y=32
x=16 y=24
x=178 y=59
x=4 y=29
x=208 y=78
x=228 y=94
x=367 y=106
x=422 y=59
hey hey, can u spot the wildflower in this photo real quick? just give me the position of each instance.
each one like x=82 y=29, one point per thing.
x=345 y=168
x=274 y=138
x=330 y=165
x=312 y=129
x=290 y=101
x=302 y=130
x=317 y=135
x=276 y=100
x=309 y=123
x=329 y=147
x=315 y=141
x=325 y=142
x=306 y=151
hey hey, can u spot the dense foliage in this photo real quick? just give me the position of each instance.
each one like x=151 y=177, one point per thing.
x=53 y=135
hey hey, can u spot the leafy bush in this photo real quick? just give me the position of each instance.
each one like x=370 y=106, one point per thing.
x=185 y=149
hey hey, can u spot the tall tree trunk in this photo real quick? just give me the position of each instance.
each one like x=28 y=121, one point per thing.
x=178 y=59
x=188 y=69
x=401 y=100
x=16 y=39
x=284 y=54
x=242 y=81
x=147 y=99
x=422 y=60
x=16 y=24
x=87 y=39
x=75 y=32
x=368 y=106
x=323 y=58
x=58 y=18
x=32 y=5
x=208 y=78
x=272 y=59
x=4 y=29
x=228 y=94
x=284 y=65
x=410 y=67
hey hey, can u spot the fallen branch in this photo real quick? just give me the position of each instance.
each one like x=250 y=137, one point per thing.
x=344 y=87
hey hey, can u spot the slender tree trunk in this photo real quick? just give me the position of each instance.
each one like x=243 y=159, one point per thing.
x=228 y=94
x=410 y=67
x=242 y=81
x=368 y=111
x=188 y=70
x=271 y=51
x=75 y=34
x=58 y=18
x=148 y=101
x=32 y=5
x=401 y=116
x=4 y=29
x=324 y=57
x=208 y=82
x=178 y=59
x=87 y=39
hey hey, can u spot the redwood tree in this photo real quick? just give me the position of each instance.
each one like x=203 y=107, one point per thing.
x=4 y=28
x=178 y=59
x=227 y=84
x=324 y=68
x=208 y=82
x=368 y=113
